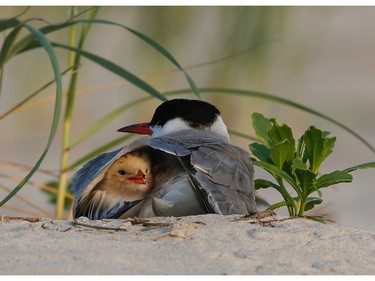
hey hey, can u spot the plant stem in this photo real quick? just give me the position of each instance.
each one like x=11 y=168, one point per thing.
x=287 y=197
x=63 y=181
x=1 y=78
x=301 y=204
x=74 y=61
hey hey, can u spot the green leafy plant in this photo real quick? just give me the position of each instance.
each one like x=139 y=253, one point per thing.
x=295 y=163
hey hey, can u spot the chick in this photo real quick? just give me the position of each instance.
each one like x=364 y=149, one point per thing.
x=124 y=183
x=129 y=177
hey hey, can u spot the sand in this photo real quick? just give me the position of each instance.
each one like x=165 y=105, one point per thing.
x=206 y=244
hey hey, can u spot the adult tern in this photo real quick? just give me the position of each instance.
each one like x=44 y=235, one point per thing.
x=193 y=169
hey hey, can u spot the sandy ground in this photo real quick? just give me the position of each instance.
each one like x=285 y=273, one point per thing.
x=207 y=244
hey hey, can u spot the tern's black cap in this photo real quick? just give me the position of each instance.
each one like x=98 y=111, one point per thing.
x=198 y=114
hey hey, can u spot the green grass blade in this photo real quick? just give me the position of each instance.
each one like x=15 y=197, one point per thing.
x=242 y=135
x=74 y=60
x=9 y=23
x=166 y=54
x=7 y=44
x=26 y=43
x=360 y=166
x=86 y=27
x=104 y=121
x=56 y=69
x=114 y=68
x=99 y=150
x=255 y=94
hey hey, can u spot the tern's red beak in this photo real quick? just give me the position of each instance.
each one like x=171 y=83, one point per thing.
x=140 y=129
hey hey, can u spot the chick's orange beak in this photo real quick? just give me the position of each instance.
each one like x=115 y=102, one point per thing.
x=139 y=178
x=140 y=129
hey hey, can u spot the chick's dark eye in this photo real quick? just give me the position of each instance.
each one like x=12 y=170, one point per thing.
x=121 y=172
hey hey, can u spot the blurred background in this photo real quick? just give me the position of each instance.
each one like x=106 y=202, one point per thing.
x=321 y=57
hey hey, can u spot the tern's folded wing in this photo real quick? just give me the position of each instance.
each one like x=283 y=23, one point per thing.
x=226 y=174
x=223 y=171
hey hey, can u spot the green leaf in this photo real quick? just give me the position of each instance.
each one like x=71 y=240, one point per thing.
x=261 y=126
x=360 y=166
x=306 y=179
x=261 y=183
x=333 y=178
x=329 y=144
x=313 y=140
x=278 y=134
x=43 y=41
x=275 y=171
x=279 y=153
x=301 y=150
x=311 y=202
x=317 y=147
x=297 y=163
x=260 y=151
x=278 y=205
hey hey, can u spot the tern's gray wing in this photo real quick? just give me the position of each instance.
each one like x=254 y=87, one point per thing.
x=224 y=172
x=99 y=204
x=89 y=171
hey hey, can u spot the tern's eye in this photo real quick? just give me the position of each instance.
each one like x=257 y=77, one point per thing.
x=122 y=172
